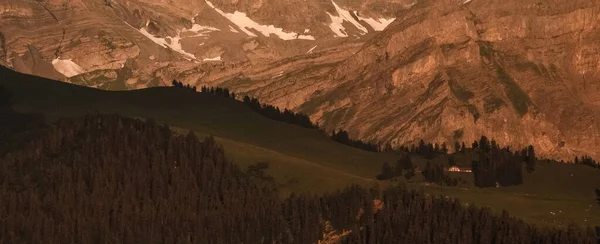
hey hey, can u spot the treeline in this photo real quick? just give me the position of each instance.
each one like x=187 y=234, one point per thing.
x=269 y=111
x=427 y=150
x=222 y=92
x=397 y=215
x=432 y=173
x=586 y=160
x=180 y=85
x=497 y=166
x=342 y=136
x=285 y=115
x=493 y=166
x=435 y=173
x=403 y=168
x=108 y=179
x=597 y=191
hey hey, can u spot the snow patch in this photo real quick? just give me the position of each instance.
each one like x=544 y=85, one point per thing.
x=310 y=50
x=67 y=67
x=217 y=58
x=246 y=24
x=337 y=21
x=280 y=74
x=200 y=30
x=377 y=24
x=174 y=43
x=233 y=29
x=466 y=1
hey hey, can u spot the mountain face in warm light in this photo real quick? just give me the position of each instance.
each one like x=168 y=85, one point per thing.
x=136 y=41
x=521 y=72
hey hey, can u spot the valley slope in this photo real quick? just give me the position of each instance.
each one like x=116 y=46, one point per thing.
x=305 y=160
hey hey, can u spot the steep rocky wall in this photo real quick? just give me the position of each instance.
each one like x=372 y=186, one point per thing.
x=522 y=72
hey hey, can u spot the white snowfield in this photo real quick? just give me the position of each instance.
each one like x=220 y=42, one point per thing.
x=311 y=50
x=174 y=43
x=241 y=20
x=217 y=58
x=377 y=24
x=200 y=30
x=67 y=67
x=249 y=27
x=344 y=15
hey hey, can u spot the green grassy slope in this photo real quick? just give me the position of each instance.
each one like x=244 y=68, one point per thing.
x=554 y=194
x=303 y=159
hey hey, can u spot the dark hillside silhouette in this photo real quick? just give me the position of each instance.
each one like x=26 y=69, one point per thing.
x=5 y=98
x=15 y=128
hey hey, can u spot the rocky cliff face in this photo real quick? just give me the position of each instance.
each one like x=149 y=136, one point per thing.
x=520 y=71
x=135 y=38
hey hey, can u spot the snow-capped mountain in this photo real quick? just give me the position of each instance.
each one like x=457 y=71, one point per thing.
x=95 y=41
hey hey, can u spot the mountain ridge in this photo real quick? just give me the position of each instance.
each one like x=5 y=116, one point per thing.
x=521 y=72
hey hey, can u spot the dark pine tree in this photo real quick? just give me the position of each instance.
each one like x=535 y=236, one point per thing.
x=530 y=159
x=387 y=172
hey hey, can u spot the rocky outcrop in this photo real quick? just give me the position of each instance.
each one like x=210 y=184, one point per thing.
x=101 y=35
x=520 y=71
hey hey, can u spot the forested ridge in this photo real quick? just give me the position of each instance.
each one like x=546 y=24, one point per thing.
x=110 y=179
x=285 y=115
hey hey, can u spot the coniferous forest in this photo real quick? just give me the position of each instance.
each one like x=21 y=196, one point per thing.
x=110 y=179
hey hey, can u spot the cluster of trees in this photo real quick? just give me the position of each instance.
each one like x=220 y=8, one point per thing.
x=586 y=160
x=493 y=166
x=397 y=215
x=109 y=179
x=222 y=92
x=597 y=191
x=428 y=150
x=290 y=117
x=179 y=84
x=404 y=167
x=342 y=136
x=432 y=173
x=269 y=111
x=274 y=113
x=497 y=166
x=435 y=173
